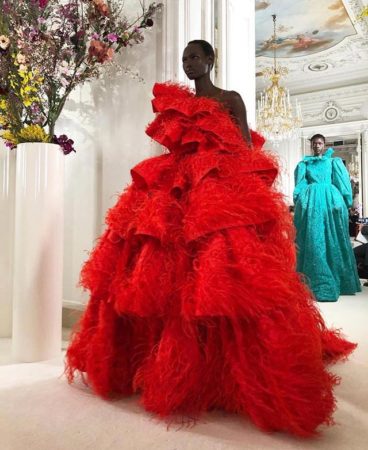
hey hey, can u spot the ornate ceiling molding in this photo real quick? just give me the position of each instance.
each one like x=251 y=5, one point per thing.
x=355 y=91
x=335 y=129
x=331 y=112
x=352 y=49
x=354 y=7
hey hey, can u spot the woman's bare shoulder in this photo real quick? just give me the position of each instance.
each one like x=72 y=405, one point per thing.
x=231 y=95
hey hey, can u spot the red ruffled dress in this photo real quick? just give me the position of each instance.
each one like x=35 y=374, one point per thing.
x=195 y=301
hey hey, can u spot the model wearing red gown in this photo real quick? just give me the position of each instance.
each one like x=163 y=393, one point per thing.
x=195 y=301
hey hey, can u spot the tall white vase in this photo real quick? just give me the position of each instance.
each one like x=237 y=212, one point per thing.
x=38 y=252
x=7 y=192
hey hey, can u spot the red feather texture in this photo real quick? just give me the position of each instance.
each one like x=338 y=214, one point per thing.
x=195 y=301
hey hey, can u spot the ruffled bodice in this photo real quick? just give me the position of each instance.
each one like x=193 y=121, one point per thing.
x=208 y=173
x=186 y=123
x=319 y=168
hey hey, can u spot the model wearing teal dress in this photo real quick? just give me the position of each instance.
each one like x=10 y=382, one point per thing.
x=322 y=196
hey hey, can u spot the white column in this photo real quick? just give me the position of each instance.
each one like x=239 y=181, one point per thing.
x=290 y=152
x=238 y=53
x=193 y=19
x=207 y=22
x=38 y=262
x=171 y=26
x=305 y=146
x=365 y=171
x=7 y=178
x=357 y=158
x=221 y=42
x=187 y=20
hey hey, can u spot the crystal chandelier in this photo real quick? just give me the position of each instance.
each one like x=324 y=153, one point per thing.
x=276 y=118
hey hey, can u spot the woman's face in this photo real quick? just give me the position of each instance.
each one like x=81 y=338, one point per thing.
x=195 y=62
x=318 y=146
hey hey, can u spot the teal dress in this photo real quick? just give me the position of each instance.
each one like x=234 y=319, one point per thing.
x=322 y=196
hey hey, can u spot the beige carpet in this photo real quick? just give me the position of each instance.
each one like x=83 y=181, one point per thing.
x=39 y=411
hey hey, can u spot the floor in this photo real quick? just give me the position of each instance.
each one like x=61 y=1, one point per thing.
x=40 y=411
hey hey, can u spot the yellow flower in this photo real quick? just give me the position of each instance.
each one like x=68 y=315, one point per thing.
x=38 y=78
x=32 y=133
x=3 y=112
x=13 y=84
x=24 y=75
x=27 y=86
x=9 y=136
x=4 y=42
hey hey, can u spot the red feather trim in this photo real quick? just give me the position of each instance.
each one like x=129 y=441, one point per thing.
x=195 y=301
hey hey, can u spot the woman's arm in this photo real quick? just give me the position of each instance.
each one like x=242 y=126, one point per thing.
x=239 y=113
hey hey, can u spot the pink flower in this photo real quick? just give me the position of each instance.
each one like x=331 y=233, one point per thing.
x=109 y=54
x=41 y=3
x=101 y=6
x=100 y=51
x=112 y=37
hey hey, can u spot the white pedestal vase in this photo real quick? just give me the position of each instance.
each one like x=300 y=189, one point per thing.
x=7 y=192
x=38 y=252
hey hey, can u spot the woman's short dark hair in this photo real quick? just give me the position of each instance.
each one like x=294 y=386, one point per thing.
x=318 y=136
x=206 y=47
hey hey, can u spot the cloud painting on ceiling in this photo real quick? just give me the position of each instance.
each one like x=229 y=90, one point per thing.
x=303 y=26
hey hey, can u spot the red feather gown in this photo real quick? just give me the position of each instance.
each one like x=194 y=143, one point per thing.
x=195 y=301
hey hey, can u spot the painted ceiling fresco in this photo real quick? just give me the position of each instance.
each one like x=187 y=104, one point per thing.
x=303 y=26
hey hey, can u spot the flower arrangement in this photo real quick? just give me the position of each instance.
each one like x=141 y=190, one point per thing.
x=47 y=48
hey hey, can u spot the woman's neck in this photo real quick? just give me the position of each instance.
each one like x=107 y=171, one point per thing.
x=204 y=87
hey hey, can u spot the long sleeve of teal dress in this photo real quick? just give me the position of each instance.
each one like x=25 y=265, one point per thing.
x=341 y=179
x=300 y=180
x=322 y=196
